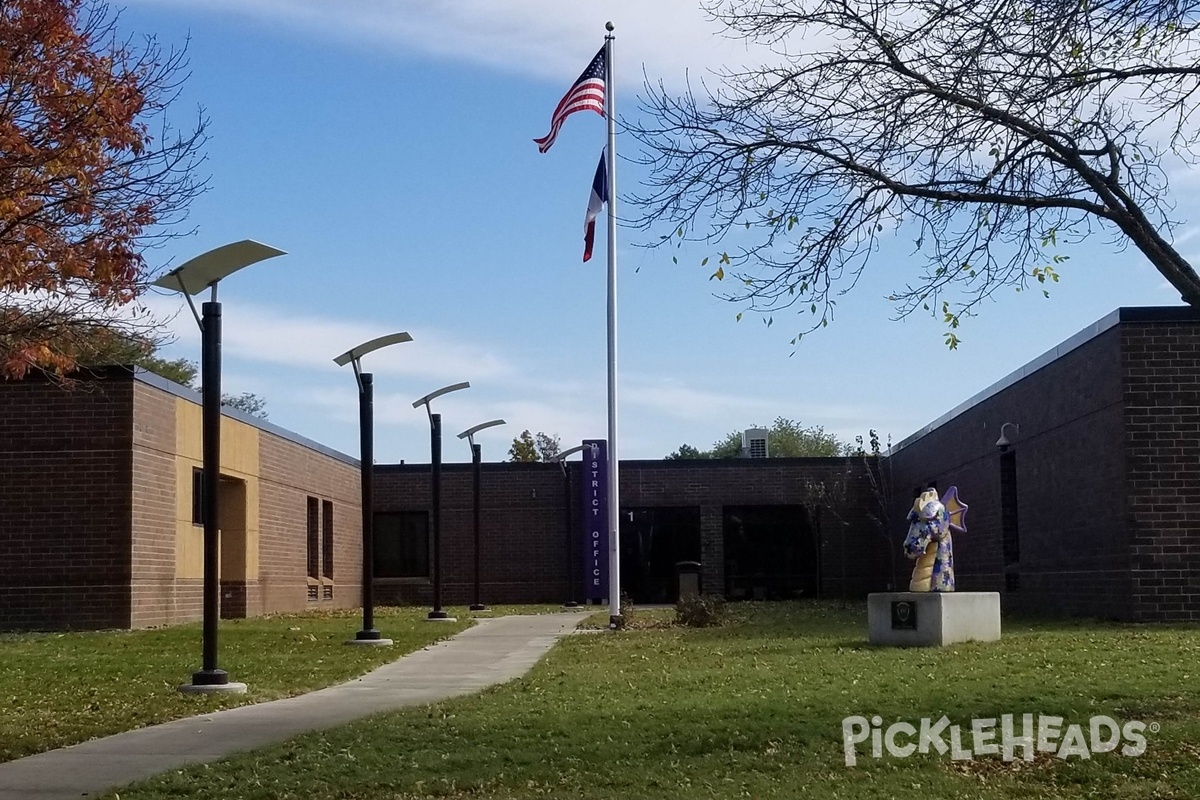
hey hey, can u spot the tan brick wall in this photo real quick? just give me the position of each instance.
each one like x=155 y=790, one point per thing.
x=95 y=513
x=153 y=594
x=291 y=474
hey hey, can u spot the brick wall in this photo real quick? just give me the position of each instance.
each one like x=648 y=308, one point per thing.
x=1070 y=467
x=1162 y=435
x=65 y=508
x=155 y=596
x=523 y=530
x=79 y=552
x=291 y=473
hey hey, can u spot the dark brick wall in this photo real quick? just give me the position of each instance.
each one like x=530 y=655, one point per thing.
x=1070 y=474
x=523 y=530
x=65 y=460
x=1162 y=436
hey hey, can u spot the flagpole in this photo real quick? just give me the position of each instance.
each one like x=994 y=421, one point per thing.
x=614 y=482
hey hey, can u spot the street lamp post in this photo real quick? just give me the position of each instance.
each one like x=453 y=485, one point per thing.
x=476 y=459
x=561 y=458
x=366 y=426
x=435 y=452
x=205 y=271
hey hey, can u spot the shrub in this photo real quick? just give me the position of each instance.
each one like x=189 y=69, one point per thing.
x=700 y=611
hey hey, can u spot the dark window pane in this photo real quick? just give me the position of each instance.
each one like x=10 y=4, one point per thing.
x=327 y=537
x=197 y=496
x=401 y=544
x=314 y=552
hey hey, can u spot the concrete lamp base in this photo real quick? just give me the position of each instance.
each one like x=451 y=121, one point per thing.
x=441 y=619
x=371 y=642
x=479 y=607
x=213 y=688
x=933 y=619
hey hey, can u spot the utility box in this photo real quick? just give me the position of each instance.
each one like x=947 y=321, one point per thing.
x=688 y=578
x=754 y=443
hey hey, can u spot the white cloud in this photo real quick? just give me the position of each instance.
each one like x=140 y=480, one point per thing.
x=259 y=333
x=543 y=38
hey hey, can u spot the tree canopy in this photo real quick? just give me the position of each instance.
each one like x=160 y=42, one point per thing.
x=786 y=438
x=106 y=346
x=530 y=448
x=90 y=175
x=981 y=135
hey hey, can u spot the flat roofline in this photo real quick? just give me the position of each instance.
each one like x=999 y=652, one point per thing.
x=634 y=463
x=191 y=395
x=1110 y=320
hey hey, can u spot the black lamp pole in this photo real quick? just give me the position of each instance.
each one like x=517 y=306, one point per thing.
x=366 y=425
x=435 y=448
x=476 y=458
x=369 y=635
x=205 y=271
x=210 y=375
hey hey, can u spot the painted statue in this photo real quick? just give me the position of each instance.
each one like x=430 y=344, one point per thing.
x=929 y=542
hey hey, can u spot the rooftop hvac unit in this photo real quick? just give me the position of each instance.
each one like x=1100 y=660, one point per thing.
x=754 y=443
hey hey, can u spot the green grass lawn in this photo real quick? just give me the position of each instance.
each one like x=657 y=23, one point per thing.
x=754 y=710
x=62 y=688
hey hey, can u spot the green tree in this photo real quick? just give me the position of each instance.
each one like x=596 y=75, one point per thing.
x=786 y=438
x=247 y=402
x=984 y=133
x=686 y=451
x=523 y=448
x=547 y=445
x=530 y=448
x=105 y=346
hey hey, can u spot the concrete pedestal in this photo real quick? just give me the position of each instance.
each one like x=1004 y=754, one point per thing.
x=933 y=619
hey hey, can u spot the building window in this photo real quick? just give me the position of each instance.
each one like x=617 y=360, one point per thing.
x=314 y=538
x=401 y=542
x=197 y=496
x=327 y=538
x=1010 y=533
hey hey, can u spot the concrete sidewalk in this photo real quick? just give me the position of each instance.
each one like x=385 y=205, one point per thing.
x=491 y=652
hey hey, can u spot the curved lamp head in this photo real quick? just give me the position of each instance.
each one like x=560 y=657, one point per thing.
x=454 y=387
x=203 y=271
x=355 y=353
x=424 y=401
x=469 y=433
x=563 y=455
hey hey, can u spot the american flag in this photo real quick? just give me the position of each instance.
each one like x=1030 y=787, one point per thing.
x=587 y=93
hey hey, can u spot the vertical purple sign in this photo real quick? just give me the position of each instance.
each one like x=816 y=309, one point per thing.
x=594 y=499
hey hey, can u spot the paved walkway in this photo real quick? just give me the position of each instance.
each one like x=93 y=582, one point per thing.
x=491 y=652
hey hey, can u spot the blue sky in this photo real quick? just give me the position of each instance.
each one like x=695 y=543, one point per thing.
x=387 y=146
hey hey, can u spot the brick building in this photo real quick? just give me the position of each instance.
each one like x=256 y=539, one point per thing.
x=99 y=516
x=1095 y=507
x=1092 y=509
x=750 y=523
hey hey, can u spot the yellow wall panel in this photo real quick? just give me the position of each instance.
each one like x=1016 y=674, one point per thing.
x=239 y=460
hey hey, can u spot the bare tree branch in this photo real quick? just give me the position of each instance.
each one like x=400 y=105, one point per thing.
x=986 y=131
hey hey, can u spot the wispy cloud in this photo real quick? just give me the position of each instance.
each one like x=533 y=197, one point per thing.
x=259 y=333
x=542 y=38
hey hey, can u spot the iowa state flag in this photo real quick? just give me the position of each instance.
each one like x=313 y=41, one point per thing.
x=595 y=203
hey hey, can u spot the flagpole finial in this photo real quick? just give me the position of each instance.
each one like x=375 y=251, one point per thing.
x=608 y=26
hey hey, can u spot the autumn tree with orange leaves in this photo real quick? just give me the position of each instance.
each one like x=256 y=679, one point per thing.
x=91 y=175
